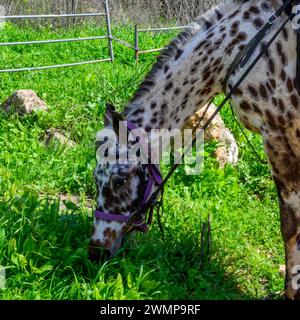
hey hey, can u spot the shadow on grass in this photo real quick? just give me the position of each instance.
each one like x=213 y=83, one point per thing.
x=38 y=235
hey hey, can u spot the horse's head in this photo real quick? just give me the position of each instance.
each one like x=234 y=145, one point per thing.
x=123 y=190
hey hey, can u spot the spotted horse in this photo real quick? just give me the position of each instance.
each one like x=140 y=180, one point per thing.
x=190 y=71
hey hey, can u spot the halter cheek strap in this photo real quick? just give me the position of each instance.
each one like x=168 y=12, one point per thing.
x=154 y=177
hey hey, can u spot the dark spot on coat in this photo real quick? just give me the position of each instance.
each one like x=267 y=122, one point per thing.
x=254 y=10
x=246 y=15
x=271 y=120
x=200 y=45
x=283 y=59
x=177 y=91
x=283 y=75
x=263 y=91
x=234 y=28
x=169 y=86
x=289 y=222
x=285 y=34
x=274 y=102
x=273 y=83
x=179 y=53
x=258 y=23
x=219 y=14
x=290 y=85
x=298 y=242
x=256 y=108
x=153 y=105
x=208 y=24
x=265 y=6
x=137 y=111
x=245 y=106
x=271 y=66
x=164 y=107
x=294 y=100
x=281 y=121
x=253 y=91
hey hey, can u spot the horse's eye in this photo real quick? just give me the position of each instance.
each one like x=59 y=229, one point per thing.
x=120 y=182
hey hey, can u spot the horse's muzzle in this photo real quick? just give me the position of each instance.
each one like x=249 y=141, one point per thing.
x=98 y=253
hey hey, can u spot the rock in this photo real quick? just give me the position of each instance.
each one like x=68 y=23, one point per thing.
x=55 y=134
x=227 y=151
x=67 y=201
x=24 y=102
x=282 y=270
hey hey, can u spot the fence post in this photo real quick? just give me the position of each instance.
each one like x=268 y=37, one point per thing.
x=136 y=44
x=73 y=9
x=109 y=34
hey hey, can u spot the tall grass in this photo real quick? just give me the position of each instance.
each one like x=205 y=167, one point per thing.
x=142 y=12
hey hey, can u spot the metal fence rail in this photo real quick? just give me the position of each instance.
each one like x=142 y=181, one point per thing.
x=137 y=31
x=108 y=36
x=55 y=66
x=6 y=44
x=43 y=16
x=162 y=29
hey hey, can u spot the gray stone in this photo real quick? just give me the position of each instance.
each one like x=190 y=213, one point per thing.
x=24 y=102
x=56 y=135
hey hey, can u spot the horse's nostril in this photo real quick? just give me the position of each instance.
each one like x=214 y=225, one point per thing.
x=97 y=254
x=106 y=254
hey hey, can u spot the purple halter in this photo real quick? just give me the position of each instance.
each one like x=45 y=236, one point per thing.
x=154 y=177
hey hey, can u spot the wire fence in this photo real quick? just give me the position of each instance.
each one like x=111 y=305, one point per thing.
x=109 y=36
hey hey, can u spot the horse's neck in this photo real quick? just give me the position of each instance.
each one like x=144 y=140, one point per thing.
x=180 y=86
x=191 y=71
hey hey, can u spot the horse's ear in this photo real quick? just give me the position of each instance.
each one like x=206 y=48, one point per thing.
x=108 y=117
x=112 y=118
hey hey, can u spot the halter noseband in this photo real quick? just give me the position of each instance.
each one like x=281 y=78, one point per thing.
x=154 y=177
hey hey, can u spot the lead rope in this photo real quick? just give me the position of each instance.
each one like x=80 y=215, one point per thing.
x=245 y=135
x=160 y=211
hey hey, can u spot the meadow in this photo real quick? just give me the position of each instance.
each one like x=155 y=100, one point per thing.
x=44 y=247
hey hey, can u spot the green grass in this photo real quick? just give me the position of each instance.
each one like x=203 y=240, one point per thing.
x=43 y=248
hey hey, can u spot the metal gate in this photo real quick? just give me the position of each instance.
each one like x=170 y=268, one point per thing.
x=108 y=36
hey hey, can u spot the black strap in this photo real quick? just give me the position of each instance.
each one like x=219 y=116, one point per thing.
x=289 y=11
x=298 y=56
x=289 y=8
x=244 y=55
x=298 y=62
